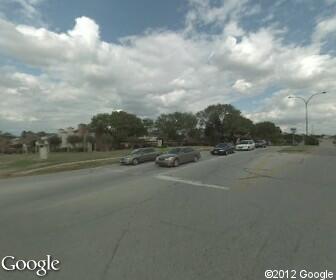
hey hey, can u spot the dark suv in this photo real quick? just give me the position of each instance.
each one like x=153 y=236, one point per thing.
x=223 y=149
x=260 y=144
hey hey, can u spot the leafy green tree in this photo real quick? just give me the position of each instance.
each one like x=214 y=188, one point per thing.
x=289 y=137
x=7 y=135
x=74 y=139
x=149 y=125
x=119 y=125
x=100 y=125
x=54 y=142
x=125 y=125
x=223 y=122
x=177 y=126
x=91 y=139
x=311 y=140
x=107 y=142
x=267 y=130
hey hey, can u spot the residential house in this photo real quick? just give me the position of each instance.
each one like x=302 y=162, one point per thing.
x=82 y=131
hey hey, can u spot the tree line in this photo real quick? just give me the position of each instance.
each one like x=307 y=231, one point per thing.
x=216 y=123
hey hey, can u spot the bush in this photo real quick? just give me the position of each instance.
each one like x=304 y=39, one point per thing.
x=311 y=140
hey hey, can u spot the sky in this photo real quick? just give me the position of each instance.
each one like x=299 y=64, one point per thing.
x=61 y=61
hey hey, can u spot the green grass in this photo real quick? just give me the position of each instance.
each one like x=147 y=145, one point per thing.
x=297 y=149
x=27 y=164
x=12 y=164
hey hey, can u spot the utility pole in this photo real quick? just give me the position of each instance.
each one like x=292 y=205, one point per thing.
x=306 y=102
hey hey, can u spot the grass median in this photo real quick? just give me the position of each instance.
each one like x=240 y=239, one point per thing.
x=26 y=164
x=30 y=164
x=298 y=149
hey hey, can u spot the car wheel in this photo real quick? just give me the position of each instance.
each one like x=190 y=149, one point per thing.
x=225 y=153
x=176 y=163
x=196 y=158
x=135 y=161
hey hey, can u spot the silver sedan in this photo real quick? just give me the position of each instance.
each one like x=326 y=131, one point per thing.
x=177 y=156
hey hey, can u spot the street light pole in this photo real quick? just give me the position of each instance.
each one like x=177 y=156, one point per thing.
x=306 y=102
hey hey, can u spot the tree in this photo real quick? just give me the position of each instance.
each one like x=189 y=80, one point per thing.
x=90 y=139
x=149 y=125
x=176 y=126
x=119 y=125
x=267 y=130
x=125 y=125
x=54 y=142
x=312 y=140
x=289 y=137
x=7 y=135
x=223 y=122
x=74 y=139
x=100 y=125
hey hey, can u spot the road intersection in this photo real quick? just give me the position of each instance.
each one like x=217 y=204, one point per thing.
x=229 y=217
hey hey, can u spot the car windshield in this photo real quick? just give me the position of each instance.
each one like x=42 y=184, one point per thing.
x=245 y=142
x=174 y=151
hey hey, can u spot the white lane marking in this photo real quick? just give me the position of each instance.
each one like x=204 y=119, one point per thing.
x=189 y=182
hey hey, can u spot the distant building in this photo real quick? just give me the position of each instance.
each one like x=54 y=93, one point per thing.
x=82 y=131
x=63 y=134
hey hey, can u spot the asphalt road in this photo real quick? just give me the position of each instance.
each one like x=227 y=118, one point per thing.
x=220 y=218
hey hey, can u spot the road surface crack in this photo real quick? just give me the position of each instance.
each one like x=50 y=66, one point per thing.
x=114 y=253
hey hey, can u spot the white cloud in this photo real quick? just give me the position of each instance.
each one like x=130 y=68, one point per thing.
x=203 y=13
x=289 y=113
x=242 y=86
x=29 y=7
x=324 y=28
x=25 y=10
x=159 y=71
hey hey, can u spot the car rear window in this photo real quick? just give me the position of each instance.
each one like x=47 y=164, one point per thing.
x=222 y=145
x=137 y=151
x=174 y=151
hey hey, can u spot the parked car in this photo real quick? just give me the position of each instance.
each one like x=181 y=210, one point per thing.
x=223 y=149
x=177 y=156
x=245 y=145
x=139 y=155
x=260 y=144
